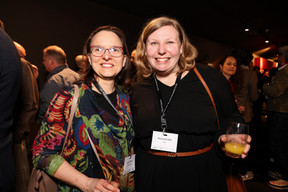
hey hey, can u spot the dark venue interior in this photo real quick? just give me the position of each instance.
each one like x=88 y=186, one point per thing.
x=214 y=27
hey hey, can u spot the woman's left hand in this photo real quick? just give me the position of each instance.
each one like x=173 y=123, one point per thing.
x=223 y=139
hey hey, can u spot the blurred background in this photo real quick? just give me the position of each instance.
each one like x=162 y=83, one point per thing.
x=215 y=27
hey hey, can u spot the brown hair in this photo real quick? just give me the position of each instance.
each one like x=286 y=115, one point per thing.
x=122 y=80
x=187 y=58
x=221 y=60
x=234 y=79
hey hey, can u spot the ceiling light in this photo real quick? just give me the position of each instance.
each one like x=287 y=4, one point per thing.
x=247 y=29
x=267 y=41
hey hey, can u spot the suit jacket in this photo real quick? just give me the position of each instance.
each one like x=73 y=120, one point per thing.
x=277 y=91
x=247 y=93
x=28 y=102
x=10 y=81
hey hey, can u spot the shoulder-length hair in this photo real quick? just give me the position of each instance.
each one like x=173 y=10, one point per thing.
x=221 y=60
x=236 y=78
x=122 y=80
x=187 y=58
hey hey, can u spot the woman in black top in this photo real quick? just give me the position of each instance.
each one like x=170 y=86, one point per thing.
x=179 y=143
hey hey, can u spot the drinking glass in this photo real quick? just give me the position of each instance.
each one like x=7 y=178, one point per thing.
x=237 y=134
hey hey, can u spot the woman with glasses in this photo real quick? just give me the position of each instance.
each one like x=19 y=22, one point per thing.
x=103 y=114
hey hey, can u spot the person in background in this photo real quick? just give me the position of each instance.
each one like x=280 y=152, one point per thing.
x=169 y=99
x=81 y=64
x=25 y=117
x=60 y=75
x=248 y=91
x=258 y=104
x=2 y=25
x=228 y=66
x=35 y=71
x=277 y=107
x=107 y=121
x=10 y=83
x=133 y=55
x=133 y=67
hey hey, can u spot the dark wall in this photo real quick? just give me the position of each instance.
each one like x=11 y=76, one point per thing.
x=38 y=24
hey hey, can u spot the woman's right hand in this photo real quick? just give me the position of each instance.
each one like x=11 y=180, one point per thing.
x=68 y=174
x=100 y=185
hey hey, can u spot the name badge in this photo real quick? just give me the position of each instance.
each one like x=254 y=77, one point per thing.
x=129 y=164
x=164 y=141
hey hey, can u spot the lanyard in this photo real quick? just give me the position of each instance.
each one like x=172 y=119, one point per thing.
x=97 y=85
x=163 y=109
x=129 y=140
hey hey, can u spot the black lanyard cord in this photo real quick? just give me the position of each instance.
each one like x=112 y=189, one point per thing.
x=129 y=140
x=97 y=85
x=163 y=109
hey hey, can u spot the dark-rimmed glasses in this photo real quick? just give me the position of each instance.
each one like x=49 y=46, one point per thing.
x=98 y=51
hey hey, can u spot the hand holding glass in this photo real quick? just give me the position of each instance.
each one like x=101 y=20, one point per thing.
x=236 y=134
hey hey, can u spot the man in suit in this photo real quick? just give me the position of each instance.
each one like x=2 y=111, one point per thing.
x=25 y=116
x=10 y=82
x=248 y=91
x=277 y=92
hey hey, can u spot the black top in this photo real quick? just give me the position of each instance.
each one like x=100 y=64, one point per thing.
x=104 y=104
x=192 y=116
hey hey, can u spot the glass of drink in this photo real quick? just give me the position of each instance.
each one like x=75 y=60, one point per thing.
x=237 y=134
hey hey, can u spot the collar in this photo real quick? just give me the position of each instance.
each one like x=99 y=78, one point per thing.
x=57 y=70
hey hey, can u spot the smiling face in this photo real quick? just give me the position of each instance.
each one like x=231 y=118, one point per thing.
x=163 y=50
x=106 y=66
x=229 y=67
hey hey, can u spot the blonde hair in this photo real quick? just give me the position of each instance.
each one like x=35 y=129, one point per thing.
x=187 y=58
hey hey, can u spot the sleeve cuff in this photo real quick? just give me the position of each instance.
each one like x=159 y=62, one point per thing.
x=55 y=163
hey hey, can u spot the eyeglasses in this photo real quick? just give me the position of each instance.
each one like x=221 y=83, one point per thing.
x=98 y=51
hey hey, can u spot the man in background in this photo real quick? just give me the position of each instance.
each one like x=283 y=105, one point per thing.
x=277 y=107
x=60 y=75
x=81 y=64
x=24 y=117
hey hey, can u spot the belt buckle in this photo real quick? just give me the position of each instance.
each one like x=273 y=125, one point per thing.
x=172 y=154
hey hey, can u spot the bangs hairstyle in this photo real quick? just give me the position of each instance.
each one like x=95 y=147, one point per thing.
x=187 y=58
x=122 y=80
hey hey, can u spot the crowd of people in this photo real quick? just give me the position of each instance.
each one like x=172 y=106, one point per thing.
x=152 y=120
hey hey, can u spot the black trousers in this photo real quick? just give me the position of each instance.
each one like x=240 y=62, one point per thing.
x=7 y=171
x=278 y=141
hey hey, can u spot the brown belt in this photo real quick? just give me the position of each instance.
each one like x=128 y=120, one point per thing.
x=181 y=154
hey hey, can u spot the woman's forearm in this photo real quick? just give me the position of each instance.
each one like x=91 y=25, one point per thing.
x=68 y=174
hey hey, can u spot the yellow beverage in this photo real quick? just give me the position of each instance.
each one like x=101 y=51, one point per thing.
x=236 y=148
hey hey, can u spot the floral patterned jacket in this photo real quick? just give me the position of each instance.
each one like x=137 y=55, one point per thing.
x=111 y=137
